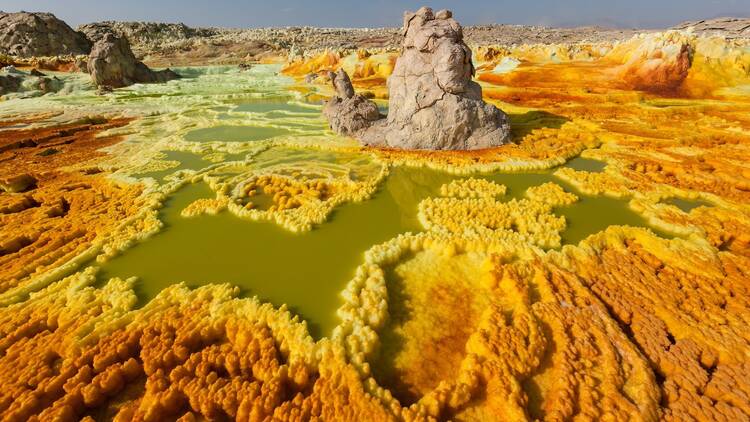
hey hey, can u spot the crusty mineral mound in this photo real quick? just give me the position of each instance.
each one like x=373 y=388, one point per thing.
x=27 y=34
x=113 y=64
x=433 y=103
x=655 y=62
x=349 y=113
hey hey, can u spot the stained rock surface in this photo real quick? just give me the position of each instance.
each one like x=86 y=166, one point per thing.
x=113 y=64
x=27 y=34
x=433 y=103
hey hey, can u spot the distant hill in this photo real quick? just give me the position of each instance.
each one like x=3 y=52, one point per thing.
x=729 y=27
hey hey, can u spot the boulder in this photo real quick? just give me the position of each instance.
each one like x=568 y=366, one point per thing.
x=25 y=34
x=113 y=64
x=349 y=113
x=433 y=102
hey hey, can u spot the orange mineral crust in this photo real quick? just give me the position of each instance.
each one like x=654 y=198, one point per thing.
x=176 y=360
x=50 y=215
x=691 y=328
x=368 y=70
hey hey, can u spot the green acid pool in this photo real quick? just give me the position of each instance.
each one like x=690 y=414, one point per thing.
x=307 y=271
x=277 y=107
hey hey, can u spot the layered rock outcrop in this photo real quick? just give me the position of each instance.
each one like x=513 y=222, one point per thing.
x=433 y=103
x=113 y=64
x=25 y=34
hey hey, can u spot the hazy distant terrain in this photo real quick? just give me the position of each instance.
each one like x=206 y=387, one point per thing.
x=178 y=42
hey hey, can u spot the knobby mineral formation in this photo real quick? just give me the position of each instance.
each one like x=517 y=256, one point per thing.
x=113 y=64
x=433 y=103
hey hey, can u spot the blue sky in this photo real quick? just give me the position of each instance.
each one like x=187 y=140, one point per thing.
x=352 y=13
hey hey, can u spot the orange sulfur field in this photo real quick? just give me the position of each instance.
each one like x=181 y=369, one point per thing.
x=483 y=314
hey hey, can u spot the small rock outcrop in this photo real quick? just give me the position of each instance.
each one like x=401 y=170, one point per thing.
x=113 y=64
x=349 y=113
x=433 y=102
x=25 y=34
x=28 y=84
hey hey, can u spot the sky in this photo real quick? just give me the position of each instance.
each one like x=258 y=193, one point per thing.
x=378 y=13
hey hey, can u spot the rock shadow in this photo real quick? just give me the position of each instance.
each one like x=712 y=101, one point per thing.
x=522 y=124
x=432 y=314
x=393 y=342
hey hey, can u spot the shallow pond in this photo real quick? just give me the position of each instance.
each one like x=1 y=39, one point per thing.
x=277 y=107
x=307 y=271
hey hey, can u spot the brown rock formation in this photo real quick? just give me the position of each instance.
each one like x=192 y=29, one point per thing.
x=349 y=113
x=113 y=64
x=27 y=34
x=433 y=103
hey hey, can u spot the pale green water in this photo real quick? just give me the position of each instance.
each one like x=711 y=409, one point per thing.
x=587 y=216
x=592 y=214
x=234 y=133
x=286 y=160
x=278 y=107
